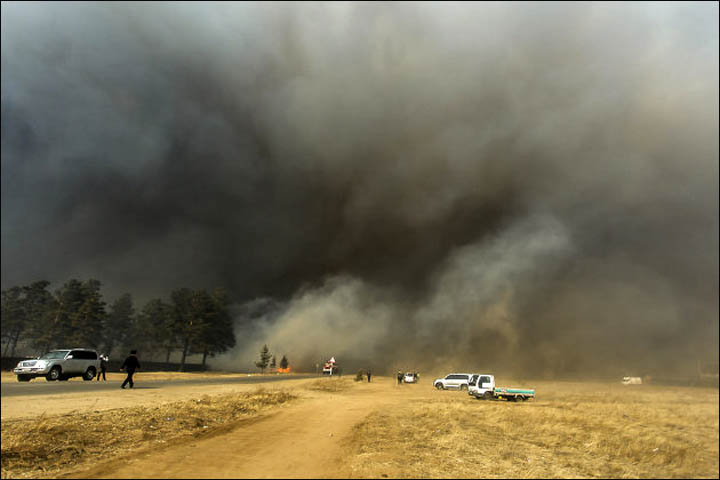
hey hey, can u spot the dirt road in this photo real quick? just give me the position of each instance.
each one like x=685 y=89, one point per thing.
x=303 y=440
x=41 y=387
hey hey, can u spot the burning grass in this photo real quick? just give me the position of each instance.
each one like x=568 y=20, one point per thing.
x=570 y=431
x=44 y=446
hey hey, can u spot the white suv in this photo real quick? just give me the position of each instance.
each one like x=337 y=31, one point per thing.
x=454 y=380
x=60 y=365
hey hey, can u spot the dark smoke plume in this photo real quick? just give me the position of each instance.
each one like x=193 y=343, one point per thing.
x=521 y=186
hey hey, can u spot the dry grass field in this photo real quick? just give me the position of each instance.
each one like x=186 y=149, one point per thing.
x=337 y=428
x=9 y=377
x=331 y=385
x=46 y=446
x=587 y=430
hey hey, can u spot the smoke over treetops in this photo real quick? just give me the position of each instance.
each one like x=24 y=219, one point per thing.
x=532 y=185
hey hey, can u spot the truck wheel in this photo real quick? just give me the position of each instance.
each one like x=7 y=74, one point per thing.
x=24 y=378
x=53 y=374
x=487 y=395
x=89 y=374
x=439 y=386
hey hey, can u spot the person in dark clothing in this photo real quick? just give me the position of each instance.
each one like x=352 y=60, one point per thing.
x=400 y=377
x=130 y=364
x=369 y=374
x=103 y=368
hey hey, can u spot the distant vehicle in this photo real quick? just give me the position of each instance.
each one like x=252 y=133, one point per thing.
x=485 y=389
x=60 y=365
x=632 y=381
x=411 y=377
x=330 y=367
x=453 y=380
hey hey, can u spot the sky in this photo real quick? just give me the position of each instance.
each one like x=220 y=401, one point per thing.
x=530 y=186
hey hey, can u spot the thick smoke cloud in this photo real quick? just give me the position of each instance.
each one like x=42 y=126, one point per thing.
x=521 y=186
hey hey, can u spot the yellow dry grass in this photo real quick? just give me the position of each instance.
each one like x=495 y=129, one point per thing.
x=45 y=446
x=582 y=430
x=9 y=377
x=330 y=384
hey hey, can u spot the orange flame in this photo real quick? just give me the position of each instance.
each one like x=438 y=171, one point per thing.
x=283 y=370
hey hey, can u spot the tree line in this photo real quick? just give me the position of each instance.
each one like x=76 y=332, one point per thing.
x=75 y=315
x=266 y=358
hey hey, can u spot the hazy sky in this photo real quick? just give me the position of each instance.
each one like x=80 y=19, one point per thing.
x=421 y=182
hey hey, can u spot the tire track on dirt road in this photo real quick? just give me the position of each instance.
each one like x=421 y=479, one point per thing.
x=302 y=440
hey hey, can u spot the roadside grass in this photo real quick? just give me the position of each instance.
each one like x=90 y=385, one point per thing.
x=571 y=430
x=149 y=375
x=331 y=384
x=45 y=446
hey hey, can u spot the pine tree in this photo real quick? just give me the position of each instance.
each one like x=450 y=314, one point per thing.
x=120 y=323
x=14 y=320
x=43 y=316
x=87 y=321
x=60 y=328
x=284 y=362
x=272 y=362
x=154 y=329
x=186 y=323
x=264 y=359
x=38 y=303
x=218 y=333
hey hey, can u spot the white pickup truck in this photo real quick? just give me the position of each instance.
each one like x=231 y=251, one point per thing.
x=482 y=386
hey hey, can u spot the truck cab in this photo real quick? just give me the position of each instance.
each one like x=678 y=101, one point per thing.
x=480 y=384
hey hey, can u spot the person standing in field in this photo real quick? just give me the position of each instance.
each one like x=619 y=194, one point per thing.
x=130 y=364
x=399 y=377
x=369 y=374
x=103 y=367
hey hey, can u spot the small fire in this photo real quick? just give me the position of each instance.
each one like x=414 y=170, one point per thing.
x=283 y=370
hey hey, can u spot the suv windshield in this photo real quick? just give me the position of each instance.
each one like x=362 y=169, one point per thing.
x=58 y=354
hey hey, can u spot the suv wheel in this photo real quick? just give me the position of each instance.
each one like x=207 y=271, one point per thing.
x=24 y=378
x=89 y=374
x=463 y=387
x=439 y=386
x=53 y=374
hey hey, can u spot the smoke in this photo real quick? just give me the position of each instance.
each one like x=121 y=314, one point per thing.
x=526 y=186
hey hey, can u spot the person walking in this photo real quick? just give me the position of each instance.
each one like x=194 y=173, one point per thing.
x=369 y=374
x=130 y=364
x=103 y=367
x=399 y=377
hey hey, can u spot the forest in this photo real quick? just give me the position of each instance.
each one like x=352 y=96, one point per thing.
x=189 y=322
